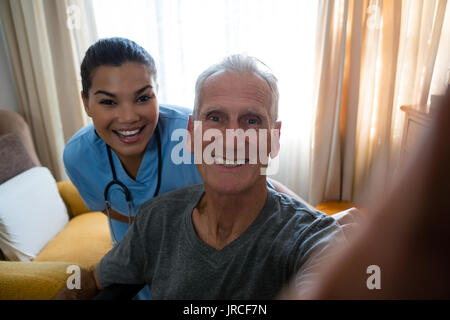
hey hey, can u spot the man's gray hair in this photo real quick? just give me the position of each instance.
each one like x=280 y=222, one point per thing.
x=245 y=64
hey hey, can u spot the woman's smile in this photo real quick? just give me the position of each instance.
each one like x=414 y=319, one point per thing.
x=129 y=135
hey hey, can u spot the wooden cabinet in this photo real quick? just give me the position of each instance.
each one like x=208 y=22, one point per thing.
x=416 y=125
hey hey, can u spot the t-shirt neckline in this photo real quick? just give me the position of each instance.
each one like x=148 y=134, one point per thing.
x=218 y=257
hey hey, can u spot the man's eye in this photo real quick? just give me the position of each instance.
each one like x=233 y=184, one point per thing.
x=143 y=98
x=253 y=121
x=107 y=102
x=214 y=118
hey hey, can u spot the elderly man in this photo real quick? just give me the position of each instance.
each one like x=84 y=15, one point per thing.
x=232 y=237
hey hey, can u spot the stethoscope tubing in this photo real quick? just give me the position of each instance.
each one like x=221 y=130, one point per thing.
x=124 y=188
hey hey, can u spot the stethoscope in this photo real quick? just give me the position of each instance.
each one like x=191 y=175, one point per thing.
x=124 y=188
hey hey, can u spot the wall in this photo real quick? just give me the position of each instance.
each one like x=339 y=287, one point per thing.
x=8 y=99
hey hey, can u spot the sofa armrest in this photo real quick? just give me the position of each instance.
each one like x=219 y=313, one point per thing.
x=71 y=198
x=332 y=207
x=32 y=280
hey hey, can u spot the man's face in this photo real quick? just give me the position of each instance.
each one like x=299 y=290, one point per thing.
x=235 y=101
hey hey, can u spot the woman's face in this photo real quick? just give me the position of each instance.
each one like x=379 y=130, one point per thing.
x=123 y=106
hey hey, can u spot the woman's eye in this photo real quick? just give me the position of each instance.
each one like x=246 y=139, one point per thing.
x=107 y=102
x=143 y=98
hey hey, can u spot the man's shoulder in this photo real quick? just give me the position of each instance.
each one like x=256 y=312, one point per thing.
x=294 y=207
x=300 y=218
x=305 y=229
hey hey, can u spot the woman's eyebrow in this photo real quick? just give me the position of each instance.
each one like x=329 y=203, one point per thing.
x=105 y=93
x=113 y=95
x=138 y=92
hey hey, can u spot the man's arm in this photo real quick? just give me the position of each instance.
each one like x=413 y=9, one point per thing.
x=324 y=241
x=408 y=234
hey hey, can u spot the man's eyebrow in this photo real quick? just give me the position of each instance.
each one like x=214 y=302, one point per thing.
x=210 y=109
x=213 y=108
x=249 y=110
x=255 y=112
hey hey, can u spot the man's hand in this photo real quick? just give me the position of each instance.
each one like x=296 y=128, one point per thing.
x=89 y=288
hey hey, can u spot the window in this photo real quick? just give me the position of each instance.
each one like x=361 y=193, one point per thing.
x=185 y=37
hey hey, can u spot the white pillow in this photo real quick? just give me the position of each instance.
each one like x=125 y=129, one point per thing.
x=31 y=213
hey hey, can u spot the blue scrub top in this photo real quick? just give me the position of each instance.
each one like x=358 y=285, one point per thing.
x=86 y=162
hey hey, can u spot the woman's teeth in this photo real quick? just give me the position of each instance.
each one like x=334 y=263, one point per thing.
x=127 y=134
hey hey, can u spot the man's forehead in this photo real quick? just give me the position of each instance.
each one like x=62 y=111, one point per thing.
x=229 y=109
x=247 y=89
x=233 y=78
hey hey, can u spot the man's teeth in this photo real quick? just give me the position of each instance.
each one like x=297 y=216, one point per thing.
x=229 y=163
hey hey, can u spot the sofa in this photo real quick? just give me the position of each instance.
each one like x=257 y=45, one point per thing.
x=82 y=238
x=82 y=241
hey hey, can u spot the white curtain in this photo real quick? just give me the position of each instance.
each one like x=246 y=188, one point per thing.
x=185 y=37
x=46 y=40
x=373 y=57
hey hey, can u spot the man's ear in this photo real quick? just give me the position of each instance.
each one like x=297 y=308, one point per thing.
x=275 y=139
x=189 y=135
x=85 y=104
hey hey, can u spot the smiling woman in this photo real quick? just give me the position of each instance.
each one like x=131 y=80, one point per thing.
x=123 y=158
x=124 y=118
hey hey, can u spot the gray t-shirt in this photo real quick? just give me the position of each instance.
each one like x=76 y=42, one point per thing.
x=162 y=249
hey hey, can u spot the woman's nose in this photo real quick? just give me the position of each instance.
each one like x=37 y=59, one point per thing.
x=127 y=114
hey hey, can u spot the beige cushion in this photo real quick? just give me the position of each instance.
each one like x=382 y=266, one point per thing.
x=85 y=240
x=31 y=280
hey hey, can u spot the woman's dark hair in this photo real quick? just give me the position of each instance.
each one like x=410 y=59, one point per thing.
x=112 y=52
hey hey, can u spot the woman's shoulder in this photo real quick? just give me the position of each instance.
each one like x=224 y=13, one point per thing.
x=167 y=111
x=82 y=142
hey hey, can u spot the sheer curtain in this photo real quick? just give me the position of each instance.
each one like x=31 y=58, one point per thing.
x=46 y=40
x=372 y=57
x=185 y=37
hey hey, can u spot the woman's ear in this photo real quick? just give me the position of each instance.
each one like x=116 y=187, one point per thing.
x=85 y=104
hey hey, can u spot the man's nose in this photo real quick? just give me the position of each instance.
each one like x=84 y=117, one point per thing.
x=231 y=130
